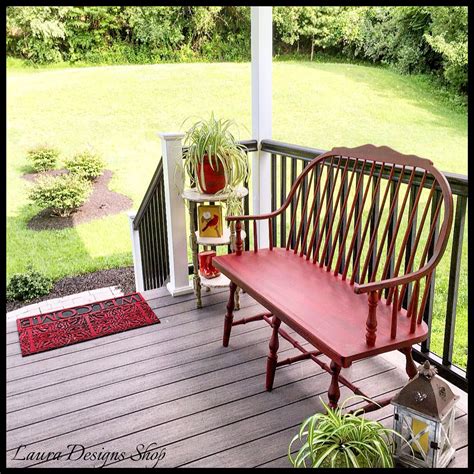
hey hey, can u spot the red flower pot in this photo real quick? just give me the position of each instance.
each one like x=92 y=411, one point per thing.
x=214 y=179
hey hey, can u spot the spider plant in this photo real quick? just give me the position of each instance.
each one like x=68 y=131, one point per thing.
x=234 y=207
x=337 y=439
x=234 y=204
x=213 y=140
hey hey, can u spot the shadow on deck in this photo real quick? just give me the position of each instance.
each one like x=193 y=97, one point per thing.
x=174 y=386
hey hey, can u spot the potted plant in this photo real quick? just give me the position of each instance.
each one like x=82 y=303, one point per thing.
x=213 y=159
x=337 y=439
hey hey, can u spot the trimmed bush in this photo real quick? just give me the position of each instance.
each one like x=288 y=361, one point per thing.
x=29 y=285
x=62 y=194
x=43 y=158
x=87 y=165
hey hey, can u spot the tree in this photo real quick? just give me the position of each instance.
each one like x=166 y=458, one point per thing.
x=447 y=35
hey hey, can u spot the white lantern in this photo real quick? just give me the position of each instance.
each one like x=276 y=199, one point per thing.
x=424 y=416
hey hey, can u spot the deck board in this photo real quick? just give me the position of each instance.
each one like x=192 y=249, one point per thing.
x=174 y=384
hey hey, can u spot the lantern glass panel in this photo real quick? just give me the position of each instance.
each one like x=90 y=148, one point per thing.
x=445 y=434
x=420 y=433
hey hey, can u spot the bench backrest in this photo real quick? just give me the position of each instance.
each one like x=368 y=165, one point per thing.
x=370 y=214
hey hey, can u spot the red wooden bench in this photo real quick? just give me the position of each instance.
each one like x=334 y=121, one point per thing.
x=367 y=227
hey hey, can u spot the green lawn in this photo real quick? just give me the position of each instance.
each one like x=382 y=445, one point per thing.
x=119 y=109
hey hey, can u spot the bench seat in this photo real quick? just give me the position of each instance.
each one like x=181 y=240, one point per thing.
x=316 y=304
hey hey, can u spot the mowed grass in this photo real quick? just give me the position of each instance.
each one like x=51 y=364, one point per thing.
x=119 y=110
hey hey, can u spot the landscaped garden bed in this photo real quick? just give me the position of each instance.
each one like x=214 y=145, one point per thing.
x=121 y=277
x=101 y=202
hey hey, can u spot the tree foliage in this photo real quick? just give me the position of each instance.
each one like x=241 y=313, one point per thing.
x=414 y=39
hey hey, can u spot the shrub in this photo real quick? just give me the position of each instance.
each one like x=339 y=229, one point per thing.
x=86 y=165
x=62 y=194
x=43 y=158
x=29 y=285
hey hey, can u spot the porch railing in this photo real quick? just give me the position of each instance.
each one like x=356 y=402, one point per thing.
x=150 y=222
x=286 y=164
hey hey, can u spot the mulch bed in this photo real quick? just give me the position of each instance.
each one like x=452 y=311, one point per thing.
x=122 y=277
x=102 y=202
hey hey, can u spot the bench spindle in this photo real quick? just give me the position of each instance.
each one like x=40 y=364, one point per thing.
x=370 y=336
x=270 y=233
x=341 y=229
x=367 y=222
x=397 y=226
x=329 y=211
x=255 y=237
x=331 y=223
x=393 y=329
x=302 y=221
x=374 y=233
x=320 y=207
x=238 y=239
x=357 y=236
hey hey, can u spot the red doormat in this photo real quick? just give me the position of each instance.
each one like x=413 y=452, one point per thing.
x=44 y=332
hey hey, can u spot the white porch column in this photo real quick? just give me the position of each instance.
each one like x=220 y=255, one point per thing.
x=179 y=283
x=262 y=45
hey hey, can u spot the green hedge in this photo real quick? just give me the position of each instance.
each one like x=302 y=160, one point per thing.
x=412 y=39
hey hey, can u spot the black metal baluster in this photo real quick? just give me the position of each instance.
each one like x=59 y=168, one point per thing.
x=373 y=221
x=283 y=159
x=293 y=201
x=273 y=170
x=343 y=218
x=428 y=313
x=410 y=241
x=304 y=215
x=456 y=252
x=391 y=228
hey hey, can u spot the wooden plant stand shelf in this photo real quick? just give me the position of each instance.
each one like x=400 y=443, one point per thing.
x=193 y=196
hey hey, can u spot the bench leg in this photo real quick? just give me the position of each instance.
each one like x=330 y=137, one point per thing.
x=334 y=392
x=410 y=366
x=229 y=315
x=272 y=355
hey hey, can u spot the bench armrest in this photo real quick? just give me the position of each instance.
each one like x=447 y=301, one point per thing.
x=258 y=217
x=238 y=226
x=396 y=281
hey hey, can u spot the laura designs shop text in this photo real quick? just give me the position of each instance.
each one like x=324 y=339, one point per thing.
x=78 y=452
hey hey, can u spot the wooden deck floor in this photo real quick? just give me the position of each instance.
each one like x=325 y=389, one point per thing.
x=173 y=386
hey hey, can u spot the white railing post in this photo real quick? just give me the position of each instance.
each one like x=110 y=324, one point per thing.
x=172 y=151
x=261 y=27
x=136 y=252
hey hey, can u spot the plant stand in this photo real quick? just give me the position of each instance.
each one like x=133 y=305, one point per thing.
x=193 y=196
